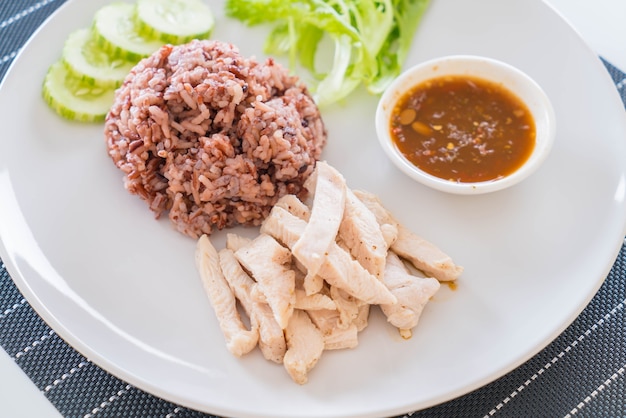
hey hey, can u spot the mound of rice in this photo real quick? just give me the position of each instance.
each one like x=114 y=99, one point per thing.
x=213 y=138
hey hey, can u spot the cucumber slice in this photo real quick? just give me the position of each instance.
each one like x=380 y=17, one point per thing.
x=90 y=63
x=116 y=32
x=73 y=99
x=175 y=21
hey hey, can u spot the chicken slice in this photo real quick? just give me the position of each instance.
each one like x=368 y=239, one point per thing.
x=313 y=284
x=338 y=267
x=271 y=338
x=268 y=262
x=326 y=213
x=235 y=242
x=361 y=233
x=239 y=340
x=335 y=337
x=340 y=270
x=339 y=339
x=347 y=306
x=413 y=294
x=390 y=233
x=288 y=233
x=425 y=256
x=295 y=206
x=313 y=302
x=373 y=203
x=361 y=320
x=305 y=344
x=422 y=254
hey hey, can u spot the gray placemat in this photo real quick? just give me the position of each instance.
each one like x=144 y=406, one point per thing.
x=580 y=374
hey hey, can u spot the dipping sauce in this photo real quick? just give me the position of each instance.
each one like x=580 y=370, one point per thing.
x=463 y=129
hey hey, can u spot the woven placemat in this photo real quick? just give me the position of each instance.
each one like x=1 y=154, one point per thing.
x=581 y=373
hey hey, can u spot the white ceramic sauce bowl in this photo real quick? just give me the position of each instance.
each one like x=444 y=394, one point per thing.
x=517 y=82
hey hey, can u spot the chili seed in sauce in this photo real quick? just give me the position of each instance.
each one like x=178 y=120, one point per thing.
x=463 y=129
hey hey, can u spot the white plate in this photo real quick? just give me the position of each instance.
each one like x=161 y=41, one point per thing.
x=122 y=288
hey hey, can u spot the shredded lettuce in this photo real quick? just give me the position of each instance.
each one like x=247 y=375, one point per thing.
x=371 y=38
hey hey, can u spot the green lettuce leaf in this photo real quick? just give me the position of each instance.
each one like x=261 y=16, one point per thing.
x=371 y=38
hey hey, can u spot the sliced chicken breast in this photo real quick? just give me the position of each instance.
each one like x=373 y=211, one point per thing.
x=271 y=338
x=308 y=281
x=347 y=306
x=412 y=292
x=361 y=233
x=313 y=302
x=338 y=267
x=305 y=344
x=326 y=213
x=425 y=256
x=239 y=340
x=295 y=206
x=335 y=336
x=235 y=242
x=421 y=253
x=269 y=263
x=362 y=319
x=342 y=338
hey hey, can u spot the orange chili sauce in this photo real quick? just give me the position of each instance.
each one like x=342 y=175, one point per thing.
x=463 y=129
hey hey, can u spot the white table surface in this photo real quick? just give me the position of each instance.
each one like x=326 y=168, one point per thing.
x=599 y=22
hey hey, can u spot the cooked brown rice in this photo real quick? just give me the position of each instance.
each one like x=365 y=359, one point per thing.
x=211 y=137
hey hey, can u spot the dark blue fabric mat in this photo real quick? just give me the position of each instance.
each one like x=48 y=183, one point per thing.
x=580 y=374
